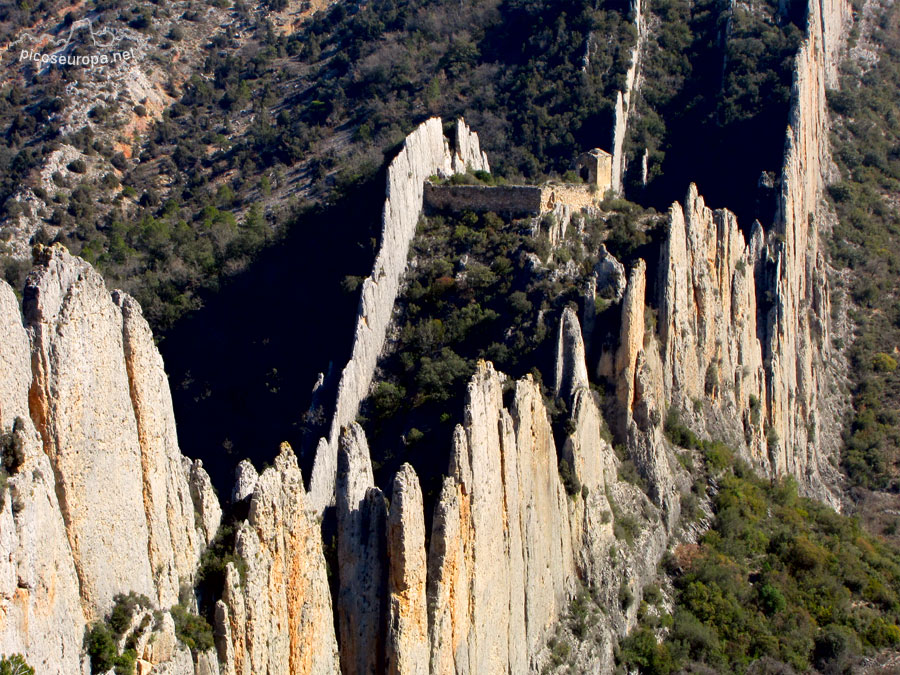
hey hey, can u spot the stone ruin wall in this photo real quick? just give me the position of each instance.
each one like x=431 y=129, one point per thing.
x=523 y=199
x=576 y=197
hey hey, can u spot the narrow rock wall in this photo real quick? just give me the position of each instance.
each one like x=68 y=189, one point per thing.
x=100 y=400
x=361 y=545
x=745 y=325
x=708 y=325
x=425 y=153
x=750 y=374
x=800 y=379
x=82 y=407
x=623 y=99
x=508 y=546
x=408 y=650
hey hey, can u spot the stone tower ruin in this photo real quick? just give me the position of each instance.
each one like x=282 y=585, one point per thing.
x=595 y=168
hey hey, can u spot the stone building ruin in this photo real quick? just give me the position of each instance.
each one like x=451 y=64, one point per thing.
x=594 y=167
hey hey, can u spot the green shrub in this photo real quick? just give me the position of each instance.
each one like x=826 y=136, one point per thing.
x=569 y=479
x=771 y=600
x=123 y=611
x=387 y=399
x=101 y=637
x=834 y=645
x=641 y=650
x=629 y=473
x=15 y=665
x=579 y=614
x=880 y=633
x=100 y=644
x=755 y=409
x=625 y=527
x=884 y=363
x=559 y=651
x=414 y=436
x=191 y=629
x=718 y=455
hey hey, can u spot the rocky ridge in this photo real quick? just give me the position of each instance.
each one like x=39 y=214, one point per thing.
x=508 y=546
x=275 y=613
x=85 y=397
x=744 y=325
x=623 y=98
x=425 y=153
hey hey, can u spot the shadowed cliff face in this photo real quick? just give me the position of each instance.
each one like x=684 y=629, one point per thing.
x=242 y=369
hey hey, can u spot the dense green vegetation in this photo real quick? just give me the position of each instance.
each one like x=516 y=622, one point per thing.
x=15 y=665
x=471 y=296
x=776 y=577
x=714 y=76
x=210 y=185
x=313 y=113
x=191 y=629
x=102 y=637
x=512 y=67
x=12 y=455
x=866 y=137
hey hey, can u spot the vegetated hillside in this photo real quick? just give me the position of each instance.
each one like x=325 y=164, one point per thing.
x=271 y=117
x=713 y=99
x=258 y=121
x=72 y=137
x=865 y=139
x=482 y=286
x=778 y=581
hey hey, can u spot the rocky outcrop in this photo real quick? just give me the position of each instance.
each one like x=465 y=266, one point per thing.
x=275 y=614
x=500 y=527
x=468 y=155
x=631 y=340
x=609 y=273
x=606 y=284
x=40 y=608
x=83 y=398
x=101 y=402
x=407 y=644
x=173 y=541
x=623 y=99
x=81 y=402
x=767 y=372
x=207 y=510
x=245 y=478
x=750 y=374
x=708 y=324
x=742 y=329
x=361 y=548
x=803 y=403
x=744 y=325
x=571 y=367
x=425 y=153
